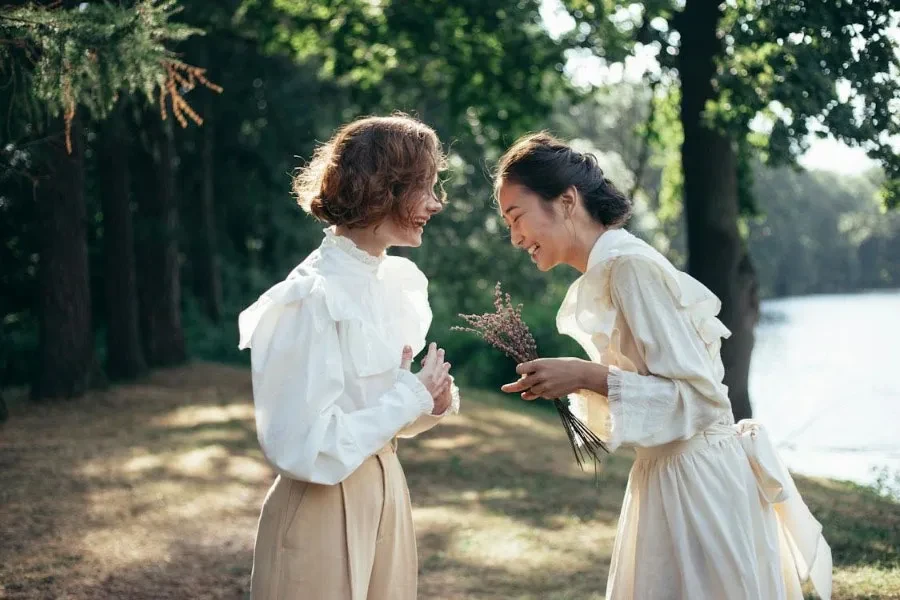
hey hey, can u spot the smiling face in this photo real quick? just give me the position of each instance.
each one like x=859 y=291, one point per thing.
x=392 y=232
x=556 y=201
x=536 y=226
x=377 y=177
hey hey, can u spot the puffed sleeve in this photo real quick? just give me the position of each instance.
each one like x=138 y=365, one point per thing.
x=682 y=393
x=298 y=376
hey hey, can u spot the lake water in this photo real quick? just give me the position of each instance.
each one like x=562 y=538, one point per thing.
x=825 y=380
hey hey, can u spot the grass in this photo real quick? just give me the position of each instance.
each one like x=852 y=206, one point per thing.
x=152 y=490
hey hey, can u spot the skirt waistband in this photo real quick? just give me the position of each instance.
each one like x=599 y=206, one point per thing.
x=709 y=437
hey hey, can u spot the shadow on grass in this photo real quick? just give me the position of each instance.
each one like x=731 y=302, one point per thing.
x=446 y=575
x=152 y=490
x=102 y=489
x=189 y=571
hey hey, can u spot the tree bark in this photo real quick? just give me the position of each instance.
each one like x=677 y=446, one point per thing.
x=716 y=253
x=125 y=357
x=159 y=270
x=66 y=363
x=209 y=278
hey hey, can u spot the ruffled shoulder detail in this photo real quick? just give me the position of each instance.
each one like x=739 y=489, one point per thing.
x=299 y=285
x=588 y=315
x=376 y=326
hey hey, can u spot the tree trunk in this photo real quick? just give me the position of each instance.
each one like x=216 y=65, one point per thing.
x=159 y=284
x=209 y=278
x=716 y=253
x=125 y=357
x=66 y=364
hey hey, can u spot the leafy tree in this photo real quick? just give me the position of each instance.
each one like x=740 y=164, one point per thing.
x=734 y=64
x=481 y=74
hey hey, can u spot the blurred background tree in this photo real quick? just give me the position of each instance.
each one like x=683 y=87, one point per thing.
x=68 y=67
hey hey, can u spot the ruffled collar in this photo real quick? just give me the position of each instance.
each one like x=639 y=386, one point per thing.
x=587 y=313
x=349 y=247
x=609 y=244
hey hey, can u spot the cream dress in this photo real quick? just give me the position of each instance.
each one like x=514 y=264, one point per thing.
x=330 y=398
x=709 y=511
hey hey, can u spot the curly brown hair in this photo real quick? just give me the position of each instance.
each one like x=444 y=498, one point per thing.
x=372 y=169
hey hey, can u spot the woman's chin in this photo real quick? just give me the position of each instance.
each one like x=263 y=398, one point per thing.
x=412 y=238
x=543 y=264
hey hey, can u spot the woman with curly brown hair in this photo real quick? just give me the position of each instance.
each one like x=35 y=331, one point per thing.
x=332 y=347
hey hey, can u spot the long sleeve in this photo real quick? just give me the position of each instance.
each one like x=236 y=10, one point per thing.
x=298 y=376
x=426 y=422
x=682 y=394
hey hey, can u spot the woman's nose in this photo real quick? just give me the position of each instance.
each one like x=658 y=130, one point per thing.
x=434 y=205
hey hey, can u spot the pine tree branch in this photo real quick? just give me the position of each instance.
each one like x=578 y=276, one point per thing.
x=88 y=58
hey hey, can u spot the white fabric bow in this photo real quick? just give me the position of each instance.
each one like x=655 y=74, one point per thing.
x=801 y=538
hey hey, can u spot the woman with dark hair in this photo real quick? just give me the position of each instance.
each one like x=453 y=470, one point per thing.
x=332 y=347
x=709 y=511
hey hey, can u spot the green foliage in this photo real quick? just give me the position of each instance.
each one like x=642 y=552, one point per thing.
x=815 y=67
x=481 y=73
x=822 y=233
x=789 y=69
x=18 y=281
x=209 y=340
x=91 y=55
x=483 y=69
x=19 y=347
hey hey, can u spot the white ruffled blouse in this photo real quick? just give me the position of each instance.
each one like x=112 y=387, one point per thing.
x=326 y=347
x=665 y=380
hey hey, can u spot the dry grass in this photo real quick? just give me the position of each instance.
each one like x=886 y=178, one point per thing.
x=153 y=490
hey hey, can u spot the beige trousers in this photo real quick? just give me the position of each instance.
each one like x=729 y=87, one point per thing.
x=350 y=541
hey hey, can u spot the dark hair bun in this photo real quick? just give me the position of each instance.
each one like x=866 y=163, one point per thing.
x=547 y=166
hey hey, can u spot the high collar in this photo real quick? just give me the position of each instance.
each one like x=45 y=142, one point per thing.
x=348 y=247
x=605 y=246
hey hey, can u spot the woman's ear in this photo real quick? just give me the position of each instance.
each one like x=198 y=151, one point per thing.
x=569 y=200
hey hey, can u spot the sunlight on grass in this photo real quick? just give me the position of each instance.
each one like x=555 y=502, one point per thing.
x=136 y=465
x=483 y=426
x=867 y=582
x=191 y=416
x=494 y=541
x=125 y=546
x=133 y=494
x=456 y=442
x=248 y=469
